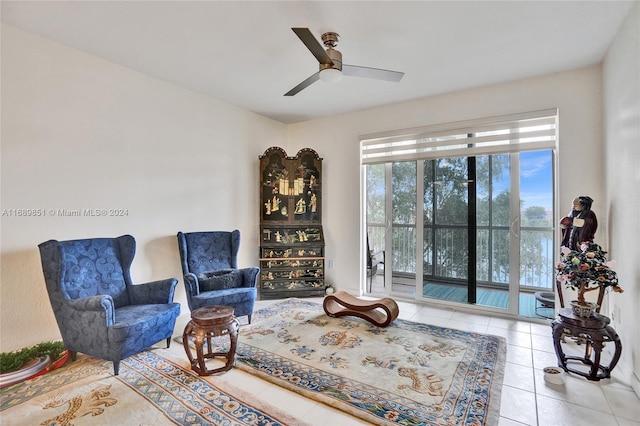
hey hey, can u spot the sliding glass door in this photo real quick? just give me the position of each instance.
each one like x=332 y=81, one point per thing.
x=391 y=225
x=468 y=226
x=403 y=234
x=463 y=212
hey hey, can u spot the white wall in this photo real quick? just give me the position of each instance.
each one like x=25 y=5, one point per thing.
x=78 y=133
x=577 y=94
x=621 y=158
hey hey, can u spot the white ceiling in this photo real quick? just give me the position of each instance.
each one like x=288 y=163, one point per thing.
x=244 y=53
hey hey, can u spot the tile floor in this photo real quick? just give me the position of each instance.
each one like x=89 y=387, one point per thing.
x=526 y=398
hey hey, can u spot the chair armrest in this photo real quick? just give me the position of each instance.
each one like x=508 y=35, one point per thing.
x=250 y=276
x=94 y=309
x=154 y=292
x=191 y=284
x=374 y=257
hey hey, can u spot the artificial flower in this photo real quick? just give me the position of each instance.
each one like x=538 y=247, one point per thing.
x=587 y=270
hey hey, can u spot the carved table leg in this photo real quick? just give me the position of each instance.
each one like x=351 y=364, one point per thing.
x=558 y=334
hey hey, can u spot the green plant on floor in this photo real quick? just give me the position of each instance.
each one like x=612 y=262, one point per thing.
x=12 y=361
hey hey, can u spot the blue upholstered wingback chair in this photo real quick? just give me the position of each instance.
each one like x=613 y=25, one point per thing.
x=98 y=309
x=211 y=274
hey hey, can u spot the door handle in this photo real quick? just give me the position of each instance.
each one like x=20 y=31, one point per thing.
x=515 y=227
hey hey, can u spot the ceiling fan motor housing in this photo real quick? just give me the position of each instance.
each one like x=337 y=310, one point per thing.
x=336 y=58
x=330 y=40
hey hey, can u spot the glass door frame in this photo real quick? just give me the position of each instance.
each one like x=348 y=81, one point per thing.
x=513 y=290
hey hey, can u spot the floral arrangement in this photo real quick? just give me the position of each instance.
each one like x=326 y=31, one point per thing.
x=587 y=270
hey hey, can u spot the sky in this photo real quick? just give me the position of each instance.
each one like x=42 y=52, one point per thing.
x=536 y=179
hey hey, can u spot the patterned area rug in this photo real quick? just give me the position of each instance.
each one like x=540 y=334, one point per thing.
x=407 y=373
x=150 y=390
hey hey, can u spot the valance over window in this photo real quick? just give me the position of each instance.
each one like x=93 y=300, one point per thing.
x=511 y=133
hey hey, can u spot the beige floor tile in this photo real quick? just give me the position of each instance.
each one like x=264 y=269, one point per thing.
x=472 y=318
x=508 y=422
x=466 y=326
x=625 y=422
x=426 y=313
x=518 y=405
x=519 y=355
x=541 y=329
x=513 y=337
x=542 y=359
x=575 y=390
x=623 y=403
x=519 y=376
x=555 y=412
x=510 y=324
x=407 y=310
x=542 y=342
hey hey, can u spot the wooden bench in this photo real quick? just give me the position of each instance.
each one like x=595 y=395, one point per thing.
x=380 y=312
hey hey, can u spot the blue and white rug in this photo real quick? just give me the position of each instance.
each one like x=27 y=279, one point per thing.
x=407 y=373
x=150 y=390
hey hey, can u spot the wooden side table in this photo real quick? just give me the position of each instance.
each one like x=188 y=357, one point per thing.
x=594 y=332
x=208 y=322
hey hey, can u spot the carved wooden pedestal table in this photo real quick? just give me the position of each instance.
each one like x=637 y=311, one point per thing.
x=206 y=323
x=593 y=332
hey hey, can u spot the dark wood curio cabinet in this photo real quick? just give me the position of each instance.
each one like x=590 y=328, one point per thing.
x=291 y=235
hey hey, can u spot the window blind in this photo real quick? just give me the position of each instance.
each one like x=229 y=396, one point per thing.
x=511 y=133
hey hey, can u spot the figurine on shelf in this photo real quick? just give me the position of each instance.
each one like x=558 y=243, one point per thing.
x=301 y=206
x=275 y=185
x=275 y=205
x=314 y=203
x=274 y=170
x=310 y=171
x=580 y=225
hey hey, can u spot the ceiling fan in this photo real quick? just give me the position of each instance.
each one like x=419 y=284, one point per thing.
x=331 y=66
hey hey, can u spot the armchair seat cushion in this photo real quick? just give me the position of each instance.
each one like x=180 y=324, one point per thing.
x=142 y=326
x=231 y=294
x=143 y=315
x=241 y=299
x=223 y=279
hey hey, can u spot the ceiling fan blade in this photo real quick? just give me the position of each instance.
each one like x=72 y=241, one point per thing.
x=308 y=82
x=313 y=45
x=356 y=71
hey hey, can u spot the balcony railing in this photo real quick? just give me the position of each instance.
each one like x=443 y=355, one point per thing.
x=492 y=254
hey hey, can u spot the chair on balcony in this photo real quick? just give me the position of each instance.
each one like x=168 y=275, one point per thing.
x=372 y=264
x=99 y=311
x=211 y=275
x=547 y=300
